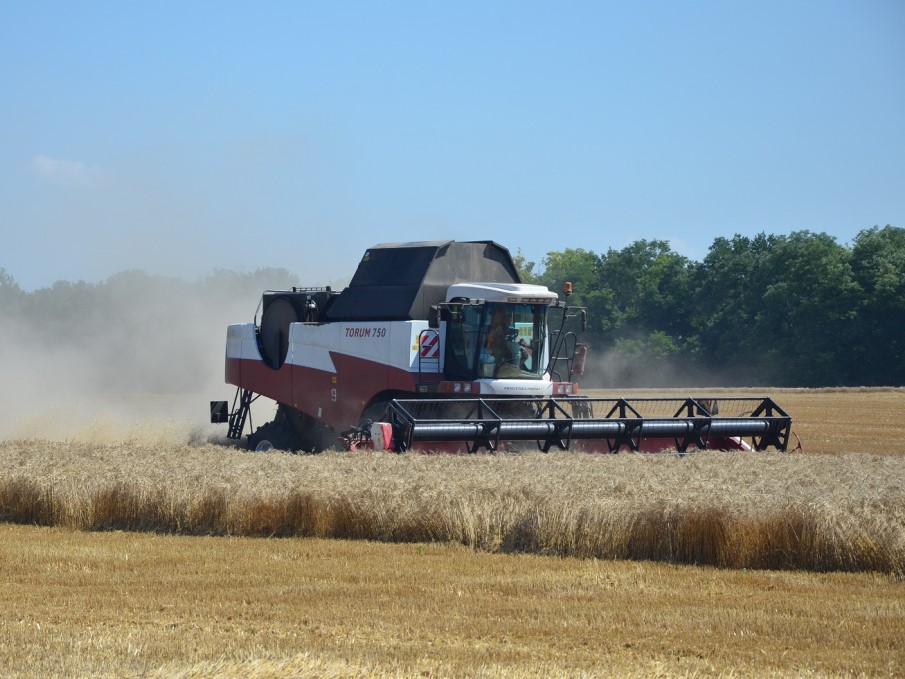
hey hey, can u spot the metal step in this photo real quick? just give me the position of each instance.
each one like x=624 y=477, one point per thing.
x=241 y=407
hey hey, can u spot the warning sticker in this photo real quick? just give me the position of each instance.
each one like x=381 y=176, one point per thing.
x=430 y=345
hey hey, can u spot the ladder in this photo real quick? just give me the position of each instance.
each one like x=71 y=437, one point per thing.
x=237 y=417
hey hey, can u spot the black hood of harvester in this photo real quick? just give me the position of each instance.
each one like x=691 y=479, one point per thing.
x=401 y=281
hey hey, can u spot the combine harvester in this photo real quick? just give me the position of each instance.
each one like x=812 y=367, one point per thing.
x=439 y=346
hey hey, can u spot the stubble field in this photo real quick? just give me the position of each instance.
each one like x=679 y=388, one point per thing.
x=529 y=565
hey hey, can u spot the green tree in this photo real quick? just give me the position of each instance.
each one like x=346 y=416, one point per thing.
x=525 y=268
x=10 y=293
x=797 y=309
x=777 y=309
x=650 y=292
x=729 y=287
x=578 y=266
x=810 y=308
x=64 y=309
x=877 y=346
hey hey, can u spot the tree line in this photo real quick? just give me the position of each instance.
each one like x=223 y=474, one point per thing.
x=134 y=331
x=789 y=310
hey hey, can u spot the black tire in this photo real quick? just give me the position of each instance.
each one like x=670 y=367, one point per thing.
x=278 y=435
x=311 y=436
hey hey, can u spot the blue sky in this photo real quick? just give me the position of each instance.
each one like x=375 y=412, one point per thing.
x=181 y=137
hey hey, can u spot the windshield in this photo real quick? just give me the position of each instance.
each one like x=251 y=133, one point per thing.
x=495 y=340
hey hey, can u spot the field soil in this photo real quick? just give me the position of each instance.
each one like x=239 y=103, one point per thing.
x=137 y=604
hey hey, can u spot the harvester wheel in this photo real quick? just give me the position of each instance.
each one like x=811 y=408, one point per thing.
x=307 y=434
x=279 y=435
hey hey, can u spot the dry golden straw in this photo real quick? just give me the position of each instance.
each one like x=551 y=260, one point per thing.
x=765 y=510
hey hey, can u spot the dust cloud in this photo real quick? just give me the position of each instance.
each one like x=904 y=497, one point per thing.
x=613 y=368
x=137 y=357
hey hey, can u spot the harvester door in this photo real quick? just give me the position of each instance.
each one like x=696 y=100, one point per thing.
x=463 y=325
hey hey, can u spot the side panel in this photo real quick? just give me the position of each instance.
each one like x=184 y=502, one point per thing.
x=339 y=398
x=257 y=376
x=315 y=388
x=337 y=368
x=316 y=392
x=245 y=368
x=241 y=343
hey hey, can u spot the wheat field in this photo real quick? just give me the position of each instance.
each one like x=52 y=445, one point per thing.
x=844 y=512
x=142 y=555
x=819 y=510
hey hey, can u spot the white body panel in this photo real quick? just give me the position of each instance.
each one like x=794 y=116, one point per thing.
x=241 y=342
x=391 y=343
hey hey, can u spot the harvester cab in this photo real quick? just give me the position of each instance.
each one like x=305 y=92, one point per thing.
x=496 y=330
x=439 y=344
